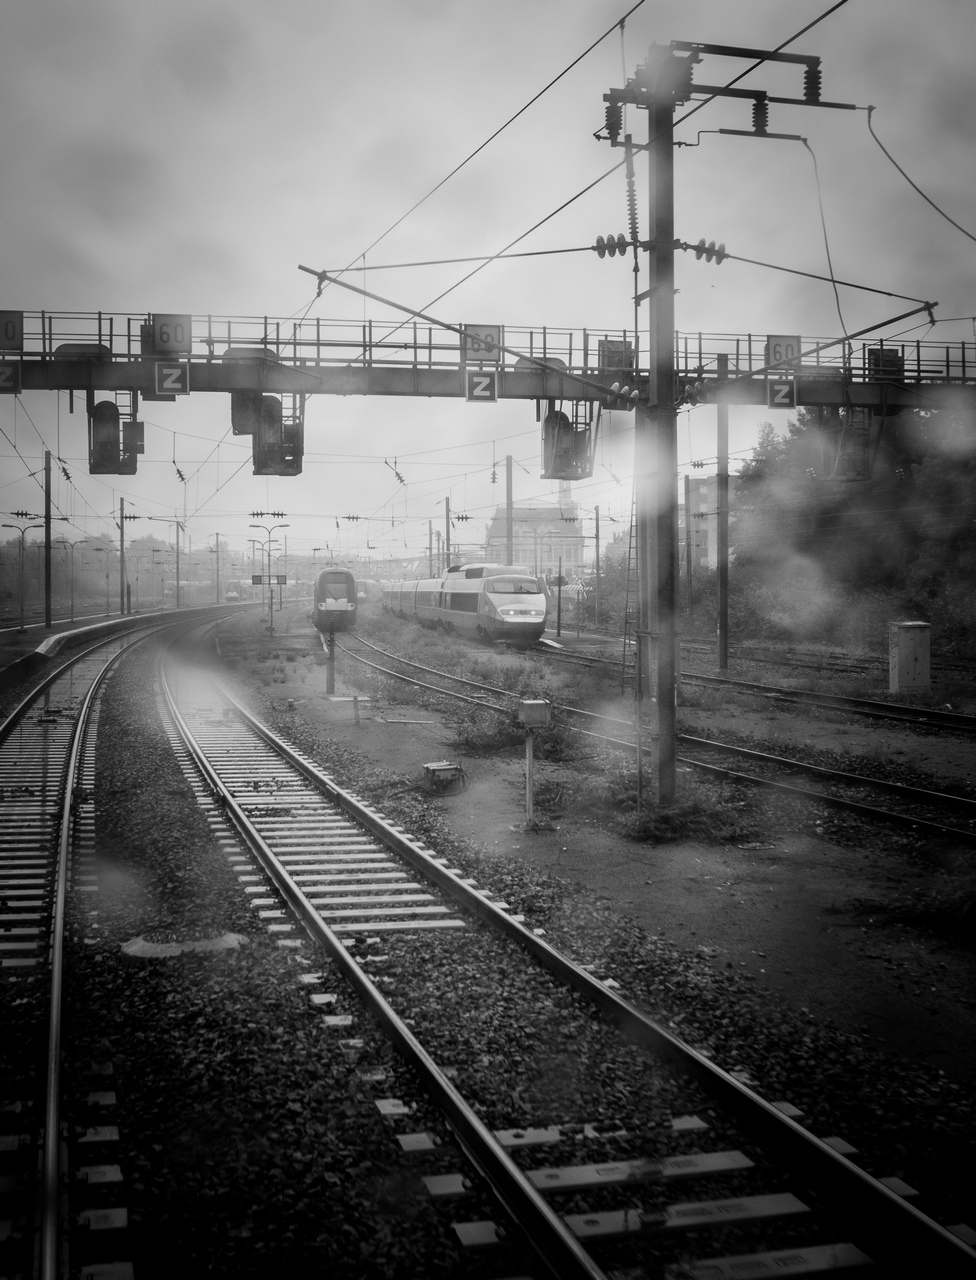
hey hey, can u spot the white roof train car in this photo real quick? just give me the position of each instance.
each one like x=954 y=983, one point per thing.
x=481 y=601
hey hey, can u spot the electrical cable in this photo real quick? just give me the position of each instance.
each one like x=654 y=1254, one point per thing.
x=912 y=184
x=697 y=107
x=19 y=400
x=586 y=248
x=823 y=224
x=492 y=137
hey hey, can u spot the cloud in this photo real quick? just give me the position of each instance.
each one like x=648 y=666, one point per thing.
x=207 y=56
x=108 y=180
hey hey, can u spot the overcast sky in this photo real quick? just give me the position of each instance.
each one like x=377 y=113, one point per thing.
x=187 y=157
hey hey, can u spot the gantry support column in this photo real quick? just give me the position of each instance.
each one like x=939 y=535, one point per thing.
x=656 y=447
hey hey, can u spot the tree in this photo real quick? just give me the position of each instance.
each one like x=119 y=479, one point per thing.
x=810 y=543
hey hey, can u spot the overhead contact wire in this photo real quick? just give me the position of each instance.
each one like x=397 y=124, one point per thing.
x=914 y=185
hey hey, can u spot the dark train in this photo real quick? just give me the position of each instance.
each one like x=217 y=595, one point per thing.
x=481 y=601
x=335 y=602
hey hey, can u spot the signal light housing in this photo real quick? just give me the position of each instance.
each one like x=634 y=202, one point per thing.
x=104 y=445
x=277 y=447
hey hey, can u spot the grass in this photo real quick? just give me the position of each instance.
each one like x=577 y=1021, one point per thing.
x=477 y=730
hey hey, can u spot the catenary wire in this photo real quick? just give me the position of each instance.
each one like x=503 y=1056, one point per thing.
x=579 y=194
x=912 y=184
x=511 y=120
x=823 y=224
x=586 y=248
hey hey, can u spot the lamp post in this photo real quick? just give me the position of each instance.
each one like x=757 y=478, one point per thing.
x=269 y=529
x=22 y=530
x=179 y=528
x=216 y=551
x=138 y=560
x=79 y=542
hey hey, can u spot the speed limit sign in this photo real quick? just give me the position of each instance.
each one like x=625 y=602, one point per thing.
x=482 y=342
x=172 y=334
x=782 y=350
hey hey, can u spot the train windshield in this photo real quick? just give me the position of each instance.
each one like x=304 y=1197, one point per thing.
x=513 y=587
x=334 y=588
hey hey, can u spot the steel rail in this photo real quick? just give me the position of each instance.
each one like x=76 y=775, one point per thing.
x=911 y=795
x=894 y=1231
x=45 y=682
x=419 y=666
x=862 y=706
x=558 y=1249
x=475 y=684
x=866 y=811
x=487 y=706
x=51 y=1161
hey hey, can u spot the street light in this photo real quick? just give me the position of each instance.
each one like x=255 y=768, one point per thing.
x=269 y=529
x=79 y=542
x=139 y=560
x=179 y=527
x=216 y=550
x=22 y=530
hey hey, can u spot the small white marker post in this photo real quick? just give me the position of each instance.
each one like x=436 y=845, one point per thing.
x=533 y=713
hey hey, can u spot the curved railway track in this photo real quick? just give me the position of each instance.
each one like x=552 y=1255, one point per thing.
x=917 y=810
x=46 y=851
x=830 y=664
x=917 y=717
x=319 y=864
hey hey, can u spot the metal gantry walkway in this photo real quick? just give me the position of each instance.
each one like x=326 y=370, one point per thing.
x=80 y=351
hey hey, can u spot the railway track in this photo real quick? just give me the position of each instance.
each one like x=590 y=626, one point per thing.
x=577 y=1196
x=918 y=808
x=58 y=1178
x=924 y=718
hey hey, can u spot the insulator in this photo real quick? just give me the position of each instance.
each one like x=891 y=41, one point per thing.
x=700 y=250
x=812 y=76
x=760 y=115
x=601 y=247
x=631 y=191
x=721 y=253
x=612 y=246
x=615 y=120
x=621 y=244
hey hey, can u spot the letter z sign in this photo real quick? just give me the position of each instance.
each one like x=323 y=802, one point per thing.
x=481 y=385
x=172 y=377
x=781 y=393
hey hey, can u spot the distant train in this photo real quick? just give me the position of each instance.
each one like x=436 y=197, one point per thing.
x=335 y=602
x=483 y=601
x=235 y=591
